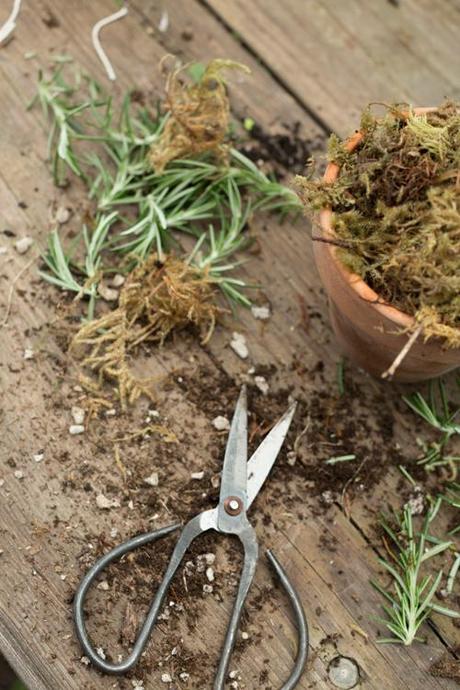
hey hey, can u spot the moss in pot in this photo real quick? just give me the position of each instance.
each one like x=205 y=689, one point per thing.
x=388 y=245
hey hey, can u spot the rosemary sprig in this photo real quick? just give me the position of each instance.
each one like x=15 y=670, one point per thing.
x=436 y=412
x=211 y=200
x=63 y=269
x=411 y=600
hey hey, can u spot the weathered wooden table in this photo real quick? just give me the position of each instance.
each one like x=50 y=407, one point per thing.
x=315 y=62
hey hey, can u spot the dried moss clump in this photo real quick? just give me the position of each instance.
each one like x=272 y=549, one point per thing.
x=396 y=207
x=159 y=297
x=199 y=114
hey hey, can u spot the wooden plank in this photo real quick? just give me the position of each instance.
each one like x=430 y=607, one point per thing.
x=337 y=57
x=51 y=511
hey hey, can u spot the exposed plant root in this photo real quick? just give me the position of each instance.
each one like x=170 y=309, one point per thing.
x=390 y=372
x=199 y=115
x=396 y=206
x=156 y=299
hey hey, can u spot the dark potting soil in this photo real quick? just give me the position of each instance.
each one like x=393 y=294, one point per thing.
x=284 y=153
x=447 y=667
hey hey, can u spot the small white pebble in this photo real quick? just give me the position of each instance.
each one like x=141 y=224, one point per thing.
x=262 y=313
x=28 y=353
x=23 y=245
x=210 y=558
x=164 y=22
x=233 y=674
x=221 y=423
x=1 y=552
x=152 y=480
x=85 y=661
x=207 y=589
x=62 y=215
x=166 y=678
x=131 y=504
x=238 y=345
x=184 y=676
x=153 y=413
x=78 y=415
x=38 y=457
x=137 y=683
x=210 y=574
x=19 y=474
x=108 y=294
x=113 y=532
x=63 y=577
x=245 y=636
x=104 y=585
x=3 y=250
x=2 y=482
x=100 y=652
x=197 y=475
x=261 y=384
x=328 y=496
x=291 y=458
x=111 y=413
x=105 y=503
x=117 y=280
x=75 y=429
x=78 y=389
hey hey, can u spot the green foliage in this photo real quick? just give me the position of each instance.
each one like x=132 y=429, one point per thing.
x=18 y=685
x=411 y=599
x=437 y=412
x=139 y=211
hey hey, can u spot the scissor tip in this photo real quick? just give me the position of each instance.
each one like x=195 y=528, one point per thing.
x=291 y=409
x=243 y=393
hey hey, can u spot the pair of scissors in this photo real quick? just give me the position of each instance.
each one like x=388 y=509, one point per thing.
x=240 y=483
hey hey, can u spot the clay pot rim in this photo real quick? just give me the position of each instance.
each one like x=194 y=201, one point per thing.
x=356 y=283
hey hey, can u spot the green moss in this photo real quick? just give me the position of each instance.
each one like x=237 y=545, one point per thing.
x=396 y=207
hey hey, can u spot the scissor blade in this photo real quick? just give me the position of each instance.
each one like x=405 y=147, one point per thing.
x=234 y=472
x=263 y=458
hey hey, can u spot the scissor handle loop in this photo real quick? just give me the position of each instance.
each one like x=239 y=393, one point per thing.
x=80 y=596
x=191 y=530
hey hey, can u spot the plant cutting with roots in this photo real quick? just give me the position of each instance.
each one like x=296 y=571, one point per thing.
x=151 y=177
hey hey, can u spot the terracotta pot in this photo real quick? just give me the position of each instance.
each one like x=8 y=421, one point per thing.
x=367 y=329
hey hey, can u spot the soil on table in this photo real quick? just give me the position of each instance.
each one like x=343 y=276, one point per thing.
x=281 y=153
x=326 y=425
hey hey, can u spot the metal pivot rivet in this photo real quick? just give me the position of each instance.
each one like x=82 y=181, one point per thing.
x=343 y=672
x=233 y=505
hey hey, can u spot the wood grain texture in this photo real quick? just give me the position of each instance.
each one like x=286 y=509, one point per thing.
x=49 y=523
x=338 y=56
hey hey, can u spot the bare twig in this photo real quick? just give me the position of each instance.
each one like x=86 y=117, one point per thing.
x=345 y=501
x=97 y=43
x=390 y=372
x=11 y=290
x=328 y=240
x=10 y=23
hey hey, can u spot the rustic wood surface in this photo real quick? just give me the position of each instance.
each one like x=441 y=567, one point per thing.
x=315 y=63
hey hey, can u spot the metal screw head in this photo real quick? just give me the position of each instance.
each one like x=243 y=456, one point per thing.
x=343 y=672
x=233 y=505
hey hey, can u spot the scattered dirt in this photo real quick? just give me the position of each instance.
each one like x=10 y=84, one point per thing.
x=283 y=153
x=326 y=425
x=323 y=427
x=446 y=667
